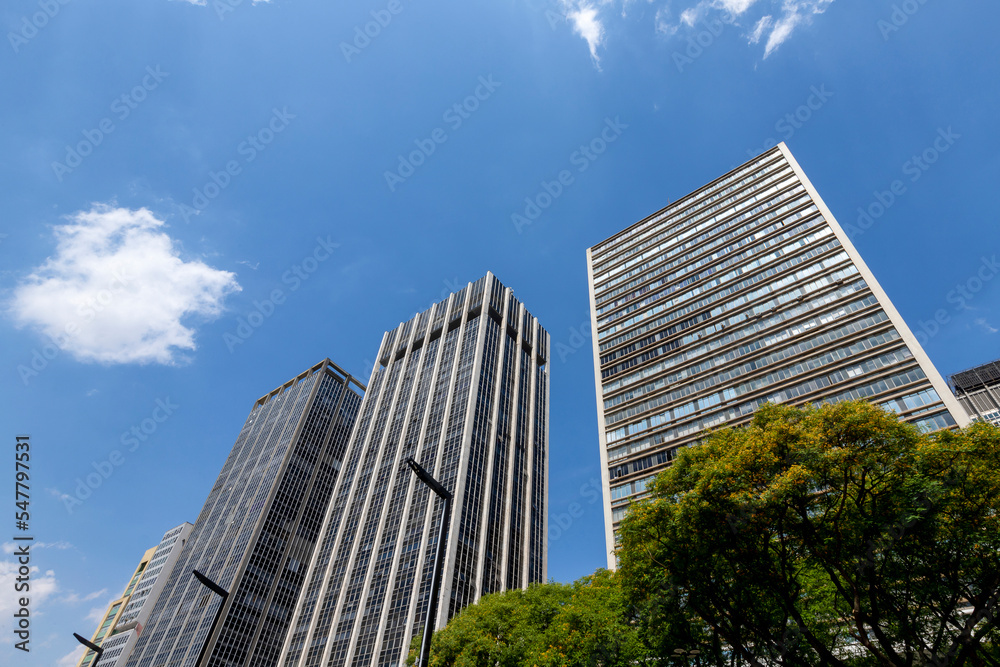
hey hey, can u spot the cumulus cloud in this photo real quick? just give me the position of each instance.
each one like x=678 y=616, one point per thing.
x=42 y=587
x=117 y=291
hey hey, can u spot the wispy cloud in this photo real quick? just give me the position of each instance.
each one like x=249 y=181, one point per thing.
x=73 y=657
x=116 y=290
x=74 y=598
x=96 y=614
x=981 y=321
x=10 y=547
x=773 y=21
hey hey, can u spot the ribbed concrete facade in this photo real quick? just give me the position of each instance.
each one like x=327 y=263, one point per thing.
x=462 y=388
x=745 y=291
x=256 y=533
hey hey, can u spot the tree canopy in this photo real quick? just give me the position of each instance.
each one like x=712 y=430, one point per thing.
x=832 y=535
x=583 y=624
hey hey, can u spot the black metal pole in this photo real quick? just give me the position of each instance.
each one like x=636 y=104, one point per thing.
x=432 y=604
x=222 y=593
x=425 y=642
x=92 y=646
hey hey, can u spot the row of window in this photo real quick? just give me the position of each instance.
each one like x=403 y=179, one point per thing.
x=661 y=229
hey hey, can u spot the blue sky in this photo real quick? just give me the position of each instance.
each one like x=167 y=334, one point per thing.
x=169 y=165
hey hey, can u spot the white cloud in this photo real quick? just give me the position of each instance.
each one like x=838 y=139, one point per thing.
x=96 y=614
x=10 y=547
x=790 y=15
x=73 y=657
x=588 y=25
x=762 y=25
x=42 y=587
x=73 y=598
x=981 y=321
x=737 y=7
x=117 y=291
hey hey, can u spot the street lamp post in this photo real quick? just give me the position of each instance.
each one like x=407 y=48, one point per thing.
x=92 y=646
x=222 y=593
x=444 y=494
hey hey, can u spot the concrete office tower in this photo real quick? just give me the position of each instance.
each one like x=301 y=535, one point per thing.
x=115 y=610
x=126 y=631
x=256 y=532
x=745 y=291
x=978 y=390
x=462 y=388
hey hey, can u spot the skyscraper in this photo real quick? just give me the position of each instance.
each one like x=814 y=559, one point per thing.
x=256 y=532
x=115 y=610
x=978 y=390
x=462 y=388
x=156 y=568
x=745 y=291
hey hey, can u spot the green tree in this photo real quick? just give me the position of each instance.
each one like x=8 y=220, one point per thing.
x=584 y=624
x=832 y=535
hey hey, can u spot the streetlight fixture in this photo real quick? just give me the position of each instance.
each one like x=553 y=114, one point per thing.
x=444 y=494
x=222 y=593
x=92 y=646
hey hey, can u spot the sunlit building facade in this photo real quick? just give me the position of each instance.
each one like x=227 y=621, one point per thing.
x=463 y=389
x=134 y=614
x=745 y=291
x=110 y=620
x=255 y=534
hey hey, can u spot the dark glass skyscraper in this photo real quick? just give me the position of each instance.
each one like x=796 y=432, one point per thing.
x=462 y=388
x=256 y=533
x=978 y=389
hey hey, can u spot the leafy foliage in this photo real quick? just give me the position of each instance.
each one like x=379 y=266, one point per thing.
x=585 y=624
x=832 y=535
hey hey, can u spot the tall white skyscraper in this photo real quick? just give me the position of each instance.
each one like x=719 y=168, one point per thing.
x=144 y=593
x=463 y=389
x=745 y=291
